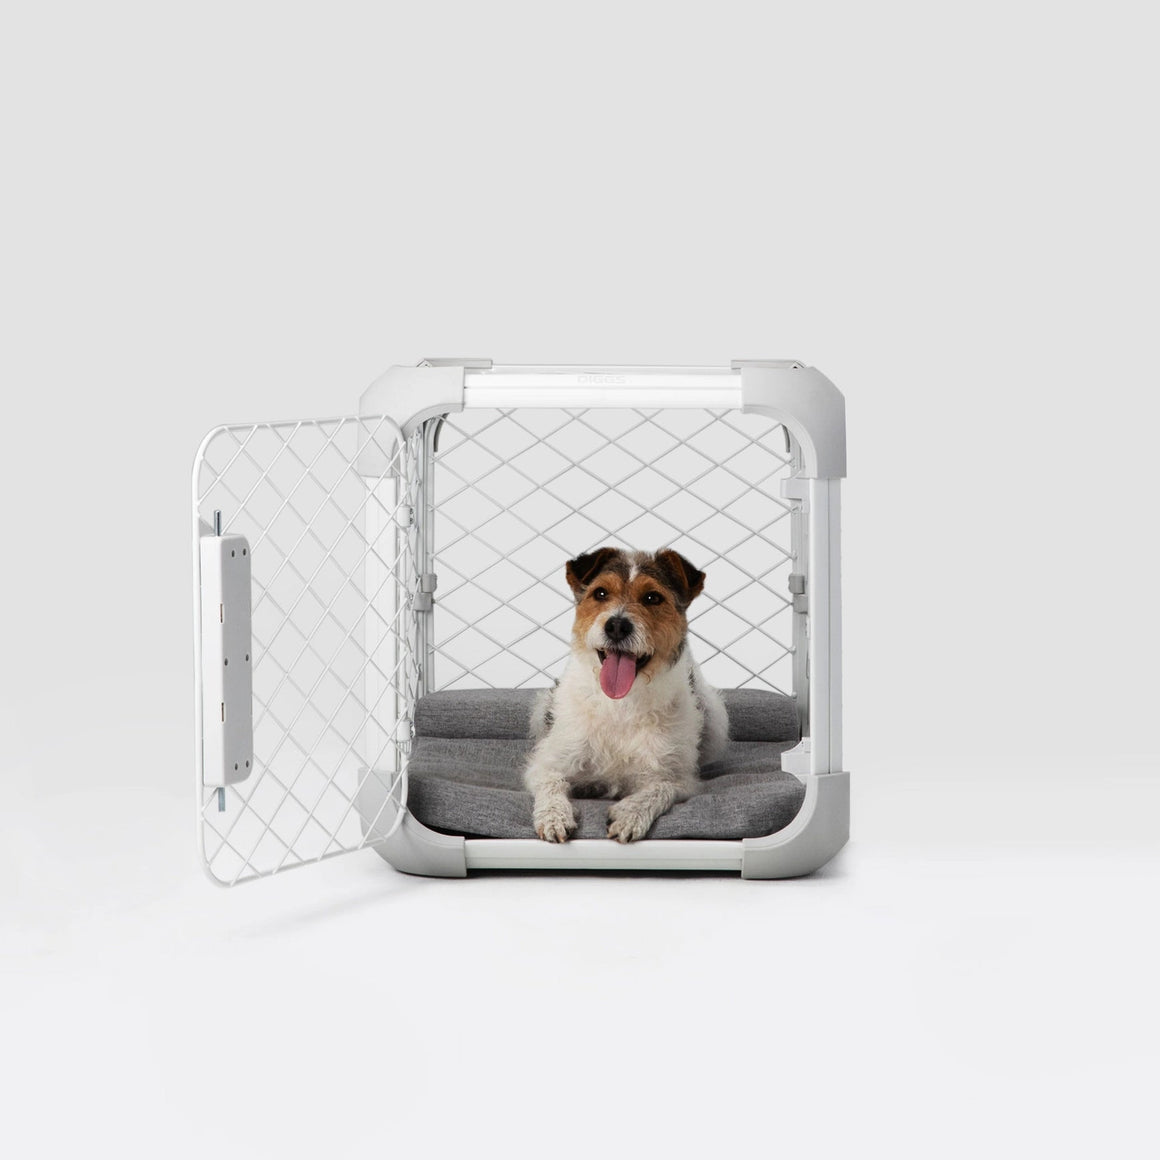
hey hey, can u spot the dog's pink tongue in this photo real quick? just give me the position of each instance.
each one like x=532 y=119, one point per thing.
x=617 y=674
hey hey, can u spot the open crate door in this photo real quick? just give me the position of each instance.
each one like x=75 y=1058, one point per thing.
x=306 y=668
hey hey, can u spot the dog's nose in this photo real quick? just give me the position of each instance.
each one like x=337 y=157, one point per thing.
x=617 y=628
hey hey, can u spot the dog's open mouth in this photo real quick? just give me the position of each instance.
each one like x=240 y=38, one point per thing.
x=618 y=671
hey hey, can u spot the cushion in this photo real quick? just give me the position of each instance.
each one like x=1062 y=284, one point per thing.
x=467 y=761
x=504 y=714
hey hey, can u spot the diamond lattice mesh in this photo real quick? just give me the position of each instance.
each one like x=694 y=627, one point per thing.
x=324 y=506
x=518 y=493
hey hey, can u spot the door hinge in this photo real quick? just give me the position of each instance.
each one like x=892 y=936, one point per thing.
x=795 y=487
x=797 y=587
x=424 y=599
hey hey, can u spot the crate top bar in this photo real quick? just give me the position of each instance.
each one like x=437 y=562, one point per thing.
x=800 y=397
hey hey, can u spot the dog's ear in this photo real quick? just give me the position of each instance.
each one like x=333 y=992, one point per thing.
x=584 y=569
x=684 y=579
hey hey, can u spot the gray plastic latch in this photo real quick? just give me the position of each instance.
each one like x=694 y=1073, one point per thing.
x=797 y=587
x=424 y=598
x=227 y=671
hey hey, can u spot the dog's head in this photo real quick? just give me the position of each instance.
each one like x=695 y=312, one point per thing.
x=631 y=612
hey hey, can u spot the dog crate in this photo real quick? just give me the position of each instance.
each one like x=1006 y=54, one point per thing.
x=378 y=596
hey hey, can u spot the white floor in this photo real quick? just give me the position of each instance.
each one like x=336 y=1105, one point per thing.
x=989 y=989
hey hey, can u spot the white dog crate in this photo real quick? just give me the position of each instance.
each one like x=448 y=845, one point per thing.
x=357 y=577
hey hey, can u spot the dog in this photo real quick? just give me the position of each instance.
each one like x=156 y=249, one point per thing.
x=631 y=717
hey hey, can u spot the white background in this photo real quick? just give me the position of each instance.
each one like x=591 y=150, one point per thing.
x=237 y=211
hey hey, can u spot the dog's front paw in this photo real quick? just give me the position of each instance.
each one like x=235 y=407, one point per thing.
x=555 y=822
x=628 y=823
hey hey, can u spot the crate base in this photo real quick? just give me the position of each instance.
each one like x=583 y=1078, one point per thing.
x=820 y=830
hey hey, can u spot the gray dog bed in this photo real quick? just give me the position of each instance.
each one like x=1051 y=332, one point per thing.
x=465 y=773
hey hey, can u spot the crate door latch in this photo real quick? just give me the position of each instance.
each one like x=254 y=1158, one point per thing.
x=226 y=662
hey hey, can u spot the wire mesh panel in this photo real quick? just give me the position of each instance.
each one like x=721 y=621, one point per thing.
x=517 y=493
x=326 y=506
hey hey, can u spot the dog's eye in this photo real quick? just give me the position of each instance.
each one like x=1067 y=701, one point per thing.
x=600 y=594
x=653 y=598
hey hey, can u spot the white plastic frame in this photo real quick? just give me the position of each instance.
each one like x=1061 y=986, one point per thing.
x=813 y=411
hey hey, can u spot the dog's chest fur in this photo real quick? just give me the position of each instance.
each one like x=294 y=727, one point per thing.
x=617 y=746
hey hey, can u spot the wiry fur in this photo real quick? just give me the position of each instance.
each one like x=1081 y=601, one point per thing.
x=645 y=749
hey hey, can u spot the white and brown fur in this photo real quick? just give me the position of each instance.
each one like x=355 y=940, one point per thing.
x=644 y=749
